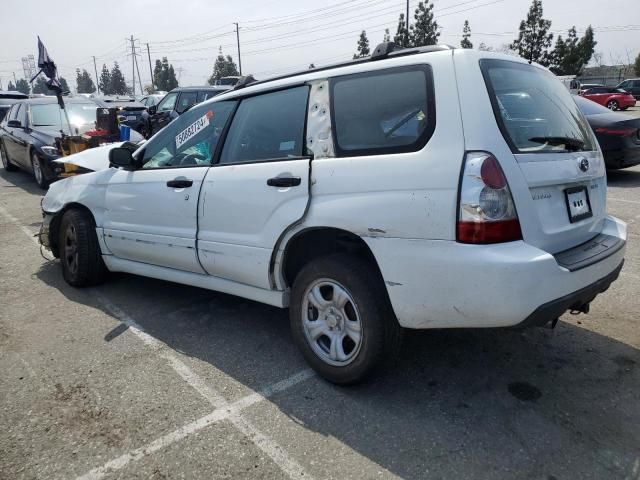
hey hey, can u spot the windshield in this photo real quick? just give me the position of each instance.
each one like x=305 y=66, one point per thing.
x=534 y=110
x=50 y=115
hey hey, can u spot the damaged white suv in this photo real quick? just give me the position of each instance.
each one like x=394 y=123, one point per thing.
x=420 y=188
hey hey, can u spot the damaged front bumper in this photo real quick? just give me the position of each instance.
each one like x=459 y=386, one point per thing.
x=44 y=235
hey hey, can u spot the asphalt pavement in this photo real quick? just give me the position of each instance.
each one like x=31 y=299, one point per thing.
x=140 y=378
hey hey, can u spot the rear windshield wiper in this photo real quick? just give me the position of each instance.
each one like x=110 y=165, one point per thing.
x=571 y=144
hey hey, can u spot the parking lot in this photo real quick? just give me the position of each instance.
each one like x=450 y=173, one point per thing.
x=141 y=378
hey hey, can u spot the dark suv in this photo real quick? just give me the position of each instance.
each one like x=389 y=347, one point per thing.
x=174 y=104
x=8 y=98
x=632 y=86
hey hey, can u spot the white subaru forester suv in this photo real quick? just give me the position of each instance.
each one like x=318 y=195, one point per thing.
x=418 y=188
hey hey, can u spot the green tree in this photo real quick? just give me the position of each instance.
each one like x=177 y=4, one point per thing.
x=84 y=82
x=21 y=86
x=117 y=85
x=466 y=35
x=402 y=38
x=425 y=29
x=164 y=76
x=64 y=85
x=636 y=66
x=363 y=46
x=40 y=86
x=11 y=86
x=534 y=38
x=311 y=66
x=105 y=81
x=223 y=67
x=570 y=55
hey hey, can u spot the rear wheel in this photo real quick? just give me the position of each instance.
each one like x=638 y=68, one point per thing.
x=341 y=318
x=80 y=256
x=38 y=173
x=6 y=163
x=612 y=105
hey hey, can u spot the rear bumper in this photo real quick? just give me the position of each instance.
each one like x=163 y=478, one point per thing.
x=622 y=158
x=573 y=301
x=444 y=284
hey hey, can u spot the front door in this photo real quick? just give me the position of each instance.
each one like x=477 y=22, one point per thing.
x=258 y=188
x=151 y=213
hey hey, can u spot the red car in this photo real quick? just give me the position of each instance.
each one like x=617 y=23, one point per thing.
x=610 y=97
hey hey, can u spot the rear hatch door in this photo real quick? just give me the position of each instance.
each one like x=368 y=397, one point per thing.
x=561 y=201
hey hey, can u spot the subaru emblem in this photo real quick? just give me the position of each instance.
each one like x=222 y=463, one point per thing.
x=583 y=164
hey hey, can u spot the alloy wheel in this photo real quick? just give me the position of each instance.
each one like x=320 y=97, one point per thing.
x=37 y=170
x=71 y=249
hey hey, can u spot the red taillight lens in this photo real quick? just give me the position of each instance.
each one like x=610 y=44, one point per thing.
x=621 y=132
x=489 y=232
x=487 y=213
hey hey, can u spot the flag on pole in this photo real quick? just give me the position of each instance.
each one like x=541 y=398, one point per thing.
x=48 y=67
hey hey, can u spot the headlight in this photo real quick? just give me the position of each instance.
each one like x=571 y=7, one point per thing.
x=51 y=151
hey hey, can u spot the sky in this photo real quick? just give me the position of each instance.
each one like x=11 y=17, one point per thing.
x=276 y=36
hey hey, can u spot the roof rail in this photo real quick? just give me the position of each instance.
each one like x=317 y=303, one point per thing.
x=244 y=81
x=381 y=52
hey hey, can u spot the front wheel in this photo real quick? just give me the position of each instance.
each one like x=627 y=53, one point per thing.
x=80 y=255
x=38 y=173
x=612 y=105
x=341 y=319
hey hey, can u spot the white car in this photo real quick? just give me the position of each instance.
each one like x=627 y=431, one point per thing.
x=423 y=188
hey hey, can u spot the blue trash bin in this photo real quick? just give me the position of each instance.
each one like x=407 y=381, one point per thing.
x=125 y=133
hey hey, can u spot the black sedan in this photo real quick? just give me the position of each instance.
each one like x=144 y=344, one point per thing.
x=29 y=130
x=618 y=134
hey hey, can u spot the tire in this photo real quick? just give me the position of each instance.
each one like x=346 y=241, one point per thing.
x=365 y=325
x=38 y=173
x=612 y=105
x=6 y=163
x=80 y=255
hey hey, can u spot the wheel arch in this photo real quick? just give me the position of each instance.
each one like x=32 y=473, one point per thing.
x=314 y=242
x=54 y=227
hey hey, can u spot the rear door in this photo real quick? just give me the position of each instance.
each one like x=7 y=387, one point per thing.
x=546 y=148
x=259 y=187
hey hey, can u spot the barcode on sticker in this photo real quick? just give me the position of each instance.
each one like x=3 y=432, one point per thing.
x=193 y=129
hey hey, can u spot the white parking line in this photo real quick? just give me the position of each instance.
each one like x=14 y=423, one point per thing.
x=219 y=414
x=224 y=410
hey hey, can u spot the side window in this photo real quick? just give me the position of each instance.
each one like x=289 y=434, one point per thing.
x=636 y=84
x=18 y=113
x=625 y=84
x=268 y=127
x=205 y=95
x=168 y=102
x=190 y=140
x=388 y=111
x=186 y=101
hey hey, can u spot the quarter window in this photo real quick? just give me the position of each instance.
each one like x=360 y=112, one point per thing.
x=267 y=127
x=389 y=111
x=190 y=140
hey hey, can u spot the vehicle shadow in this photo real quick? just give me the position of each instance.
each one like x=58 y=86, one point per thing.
x=537 y=404
x=21 y=179
x=623 y=178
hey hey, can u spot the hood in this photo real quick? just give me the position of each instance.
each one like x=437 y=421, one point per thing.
x=45 y=135
x=92 y=159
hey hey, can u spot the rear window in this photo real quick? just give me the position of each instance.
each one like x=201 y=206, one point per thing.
x=534 y=111
x=386 y=111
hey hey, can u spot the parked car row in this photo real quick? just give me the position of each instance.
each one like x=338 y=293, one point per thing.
x=471 y=193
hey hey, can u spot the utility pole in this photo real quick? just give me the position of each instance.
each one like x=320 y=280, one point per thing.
x=407 y=22
x=150 y=69
x=238 y=39
x=133 y=66
x=95 y=69
x=15 y=80
x=139 y=77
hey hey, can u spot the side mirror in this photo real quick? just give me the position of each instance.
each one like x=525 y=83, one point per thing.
x=122 y=157
x=153 y=109
x=14 y=124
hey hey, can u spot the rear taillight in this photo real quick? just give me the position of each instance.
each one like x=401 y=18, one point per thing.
x=486 y=213
x=621 y=132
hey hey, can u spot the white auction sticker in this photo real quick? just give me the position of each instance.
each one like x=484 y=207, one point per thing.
x=193 y=129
